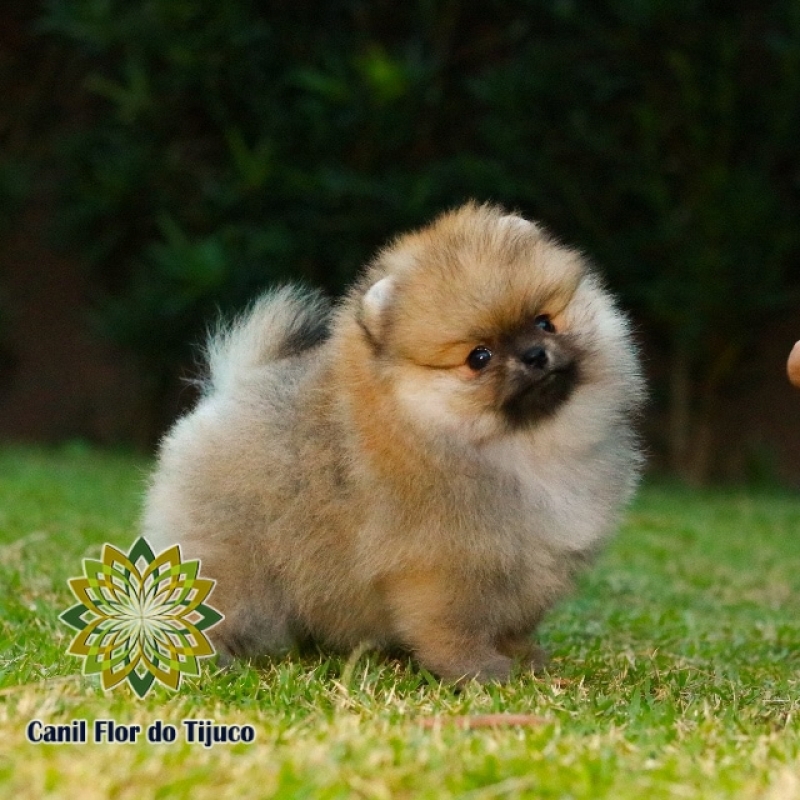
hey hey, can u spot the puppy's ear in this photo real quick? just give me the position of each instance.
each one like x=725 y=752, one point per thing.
x=517 y=223
x=374 y=307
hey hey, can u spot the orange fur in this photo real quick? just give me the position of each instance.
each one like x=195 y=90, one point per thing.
x=371 y=485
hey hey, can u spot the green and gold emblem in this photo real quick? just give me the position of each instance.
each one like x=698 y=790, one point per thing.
x=141 y=617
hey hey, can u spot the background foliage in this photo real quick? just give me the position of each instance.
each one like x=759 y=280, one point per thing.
x=220 y=147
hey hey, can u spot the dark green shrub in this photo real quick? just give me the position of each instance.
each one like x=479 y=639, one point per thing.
x=232 y=145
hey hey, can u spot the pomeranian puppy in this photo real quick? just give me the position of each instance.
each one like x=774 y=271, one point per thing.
x=424 y=466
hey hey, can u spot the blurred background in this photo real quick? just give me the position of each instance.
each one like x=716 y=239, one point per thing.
x=162 y=160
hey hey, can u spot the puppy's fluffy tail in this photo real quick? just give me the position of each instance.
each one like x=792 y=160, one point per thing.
x=278 y=325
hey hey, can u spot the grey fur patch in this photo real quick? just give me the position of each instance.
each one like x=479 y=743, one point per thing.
x=305 y=332
x=281 y=324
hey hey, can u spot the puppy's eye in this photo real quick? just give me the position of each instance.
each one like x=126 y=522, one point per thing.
x=543 y=322
x=479 y=358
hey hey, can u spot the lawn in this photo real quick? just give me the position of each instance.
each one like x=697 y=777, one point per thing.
x=675 y=670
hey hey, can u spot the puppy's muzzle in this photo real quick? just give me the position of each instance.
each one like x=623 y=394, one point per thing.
x=535 y=358
x=541 y=376
x=542 y=361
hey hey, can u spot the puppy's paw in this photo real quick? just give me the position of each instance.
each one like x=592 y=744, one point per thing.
x=496 y=669
x=527 y=653
x=460 y=668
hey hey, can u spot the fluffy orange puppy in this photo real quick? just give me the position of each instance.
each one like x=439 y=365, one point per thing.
x=426 y=465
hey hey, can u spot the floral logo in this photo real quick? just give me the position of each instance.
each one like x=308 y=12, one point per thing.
x=141 y=617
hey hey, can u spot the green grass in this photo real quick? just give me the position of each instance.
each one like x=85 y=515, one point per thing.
x=675 y=670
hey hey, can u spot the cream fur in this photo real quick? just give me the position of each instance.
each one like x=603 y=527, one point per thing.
x=366 y=486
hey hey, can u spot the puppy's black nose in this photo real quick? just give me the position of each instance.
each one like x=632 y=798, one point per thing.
x=535 y=357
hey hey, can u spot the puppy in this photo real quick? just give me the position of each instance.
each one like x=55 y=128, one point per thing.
x=426 y=465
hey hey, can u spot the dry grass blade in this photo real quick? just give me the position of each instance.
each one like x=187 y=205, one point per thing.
x=472 y=721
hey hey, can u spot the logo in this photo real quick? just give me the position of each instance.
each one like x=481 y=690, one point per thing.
x=141 y=617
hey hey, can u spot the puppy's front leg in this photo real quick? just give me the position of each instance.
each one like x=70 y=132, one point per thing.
x=521 y=649
x=440 y=632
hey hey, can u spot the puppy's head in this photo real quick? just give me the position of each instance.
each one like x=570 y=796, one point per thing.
x=484 y=325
